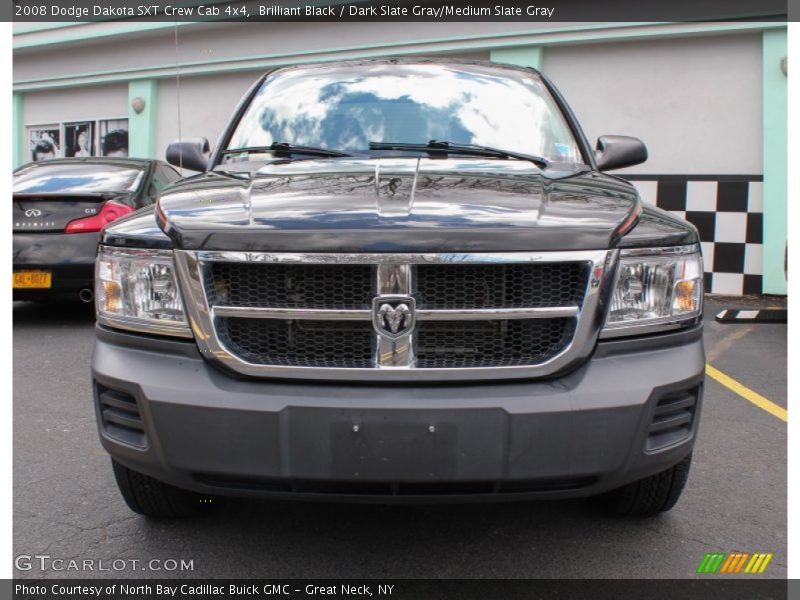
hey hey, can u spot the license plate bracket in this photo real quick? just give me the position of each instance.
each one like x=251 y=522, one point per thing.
x=395 y=450
x=395 y=445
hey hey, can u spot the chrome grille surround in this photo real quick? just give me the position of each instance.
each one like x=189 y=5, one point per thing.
x=394 y=357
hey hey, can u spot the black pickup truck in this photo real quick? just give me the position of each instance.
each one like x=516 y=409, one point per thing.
x=400 y=280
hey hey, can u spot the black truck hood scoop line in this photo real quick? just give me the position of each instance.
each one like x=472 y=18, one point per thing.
x=398 y=205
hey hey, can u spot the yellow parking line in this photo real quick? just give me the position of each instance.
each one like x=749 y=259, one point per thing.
x=747 y=393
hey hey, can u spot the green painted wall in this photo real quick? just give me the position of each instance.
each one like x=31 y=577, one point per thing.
x=775 y=161
x=523 y=56
x=142 y=126
x=18 y=155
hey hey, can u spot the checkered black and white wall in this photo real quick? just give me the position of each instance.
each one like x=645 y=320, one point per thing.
x=728 y=213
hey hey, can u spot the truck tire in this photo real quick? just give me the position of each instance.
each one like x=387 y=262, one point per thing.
x=651 y=495
x=155 y=499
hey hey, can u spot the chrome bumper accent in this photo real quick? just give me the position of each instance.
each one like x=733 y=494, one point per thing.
x=315 y=314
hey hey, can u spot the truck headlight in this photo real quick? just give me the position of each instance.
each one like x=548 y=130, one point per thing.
x=136 y=289
x=655 y=288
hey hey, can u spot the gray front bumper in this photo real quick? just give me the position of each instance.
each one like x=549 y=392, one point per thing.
x=577 y=435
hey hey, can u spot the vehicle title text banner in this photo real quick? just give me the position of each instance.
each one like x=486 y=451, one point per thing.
x=393 y=10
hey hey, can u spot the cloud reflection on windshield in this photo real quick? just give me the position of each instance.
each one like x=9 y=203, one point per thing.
x=347 y=107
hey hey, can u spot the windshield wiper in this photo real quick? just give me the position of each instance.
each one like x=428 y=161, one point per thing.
x=474 y=149
x=286 y=148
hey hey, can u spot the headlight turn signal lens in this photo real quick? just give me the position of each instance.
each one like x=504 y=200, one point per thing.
x=654 y=287
x=137 y=289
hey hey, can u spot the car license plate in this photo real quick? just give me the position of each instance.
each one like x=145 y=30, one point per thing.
x=32 y=279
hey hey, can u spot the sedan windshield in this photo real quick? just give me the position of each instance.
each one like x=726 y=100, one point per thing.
x=348 y=106
x=72 y=178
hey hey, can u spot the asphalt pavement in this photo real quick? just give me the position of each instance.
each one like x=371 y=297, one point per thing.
x=66 y=504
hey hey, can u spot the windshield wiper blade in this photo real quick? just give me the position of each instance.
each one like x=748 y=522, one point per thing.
x=287 y=148
x=474 y=149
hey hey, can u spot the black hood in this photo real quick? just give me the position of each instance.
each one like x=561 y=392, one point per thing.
x=398 y=205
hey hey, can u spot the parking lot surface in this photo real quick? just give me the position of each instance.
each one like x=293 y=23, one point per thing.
x=66 y=505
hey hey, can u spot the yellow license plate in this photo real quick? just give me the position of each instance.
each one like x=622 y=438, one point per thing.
x=32 y=279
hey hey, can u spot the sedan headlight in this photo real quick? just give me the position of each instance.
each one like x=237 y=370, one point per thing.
x=136 y=289
x=655 y=288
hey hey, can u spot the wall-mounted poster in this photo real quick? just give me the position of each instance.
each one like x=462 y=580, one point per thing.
x=79 y=139
x=45 y=142
x=113 y=137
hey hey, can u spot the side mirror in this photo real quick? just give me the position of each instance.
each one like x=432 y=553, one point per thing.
x=190 y=153
x=618 y=151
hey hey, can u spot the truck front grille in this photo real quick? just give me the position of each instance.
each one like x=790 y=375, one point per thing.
x=500 y=286
x=481 y=344
x=437 y=286
x=296 y=343
x=290 y=286
x=457 y=316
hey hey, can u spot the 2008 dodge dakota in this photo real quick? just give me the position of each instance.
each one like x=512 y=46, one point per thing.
x=400 y=280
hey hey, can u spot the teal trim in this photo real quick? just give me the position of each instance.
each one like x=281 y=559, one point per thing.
x=133 y=27
x=150 y=26
x=18 y=130
x=23 y=28
x=567 y=35
x=522 y=56
x=142 y=126
x=72 y=35
x=775 y=106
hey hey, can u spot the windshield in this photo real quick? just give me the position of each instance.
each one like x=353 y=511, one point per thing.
x=76 y=178
x=347 y=107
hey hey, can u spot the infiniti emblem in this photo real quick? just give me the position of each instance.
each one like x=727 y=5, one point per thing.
x=393 y=316
x=33 y=212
